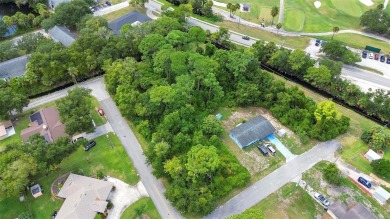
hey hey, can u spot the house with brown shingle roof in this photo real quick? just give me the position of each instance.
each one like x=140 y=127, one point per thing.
x=84 y=197
x=45 y=122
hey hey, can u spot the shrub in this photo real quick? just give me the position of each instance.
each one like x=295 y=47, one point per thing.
x=100 y=174
x=381 y=167
x=366 y=136
x=332 y=174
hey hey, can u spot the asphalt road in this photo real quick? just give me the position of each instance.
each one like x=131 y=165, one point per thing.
x=153 y=186
x=274 y=181
x=350 y=71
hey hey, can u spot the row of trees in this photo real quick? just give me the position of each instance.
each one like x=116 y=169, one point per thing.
x=326 y=77
x=26 y=21
x=376 y=20
x=19 y=163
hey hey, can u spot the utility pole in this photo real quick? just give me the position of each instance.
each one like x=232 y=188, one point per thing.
x=239 y=20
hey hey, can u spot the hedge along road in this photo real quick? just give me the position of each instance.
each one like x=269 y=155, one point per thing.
x=153 y=186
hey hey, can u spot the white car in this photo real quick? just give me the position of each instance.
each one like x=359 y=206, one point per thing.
x=322 y=199
x=370 y=55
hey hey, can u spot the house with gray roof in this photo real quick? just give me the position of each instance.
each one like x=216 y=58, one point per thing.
x=63 y=35
x=251 y=131
x=133 y=18
x=54 y=3
x=339 y=210
x=84 y=197
x=14 y=67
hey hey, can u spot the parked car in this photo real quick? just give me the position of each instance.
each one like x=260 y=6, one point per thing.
x=90 y=145
x=376 y=56
x=322 y=199
x=364 y=54
x=383 y=59
x=318 y=42
x=245 y=37
x=388 y=60
x=101 y=112
x=108 y=3
x=323 y=42
x=365 y=182
x=263 y=150
x=54 y=215
x=271 y=149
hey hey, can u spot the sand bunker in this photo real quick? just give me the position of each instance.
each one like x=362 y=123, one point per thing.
x=367 y=2
x=317 y=4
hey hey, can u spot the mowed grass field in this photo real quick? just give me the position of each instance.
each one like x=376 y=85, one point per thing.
x=259 y=9
x=302 y=16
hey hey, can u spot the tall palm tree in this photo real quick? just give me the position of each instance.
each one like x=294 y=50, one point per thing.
x=278 y=26
x=229 y=6
x=335 y=30
x=274 y=13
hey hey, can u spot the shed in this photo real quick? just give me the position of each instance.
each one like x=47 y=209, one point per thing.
x=372 y=49
x=36 y=190
x=251 y=131
x=371 y=155
x=245 y=7
x=6 y=129
x=338 y=210
x=381 y=195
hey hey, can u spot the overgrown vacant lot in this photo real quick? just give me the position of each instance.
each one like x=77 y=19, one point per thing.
x=107 y=156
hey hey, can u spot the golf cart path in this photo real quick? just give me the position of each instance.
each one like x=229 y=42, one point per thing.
x=237 y=19
x=274 y=181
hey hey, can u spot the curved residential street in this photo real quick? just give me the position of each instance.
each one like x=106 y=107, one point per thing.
x=153 y=186
x=274 y=181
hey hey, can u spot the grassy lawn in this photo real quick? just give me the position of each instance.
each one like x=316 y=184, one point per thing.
x=144 y=206
x=99 y=120
x=344 y=14
x=295 y=148
x=358 y=41
x=107 y=156
x=289 y=201
x=347 y=192
x=259 y=9
x=116 y=14
x=291 y=42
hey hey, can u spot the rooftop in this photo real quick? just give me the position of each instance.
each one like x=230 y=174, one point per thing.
x=63 y=35
x=355 y=211
x=84 y=197
x=14 y=67
x=130 y=18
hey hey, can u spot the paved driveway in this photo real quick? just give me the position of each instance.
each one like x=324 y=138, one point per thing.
x=274 y=181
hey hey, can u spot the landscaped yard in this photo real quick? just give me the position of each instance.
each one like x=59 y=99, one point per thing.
x=290 y=201
x=144 y=206
x=301 y=15
x=107 y=156
x=346 y=192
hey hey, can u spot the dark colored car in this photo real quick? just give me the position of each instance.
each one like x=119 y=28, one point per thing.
x=263 y=150
x=317 y=44
x=245 y=37
x=376 y=57
x=388 y=60
x=365 y=182
x=108 y=3
x=383 y=59
x=364 y=54
x=54 y=215
x=90 y=145
x=318 y=41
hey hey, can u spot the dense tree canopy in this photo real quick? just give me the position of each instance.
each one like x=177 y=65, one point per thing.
x=376 y=20
x=75 y=111
x=16 y=169
x=11 y=100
